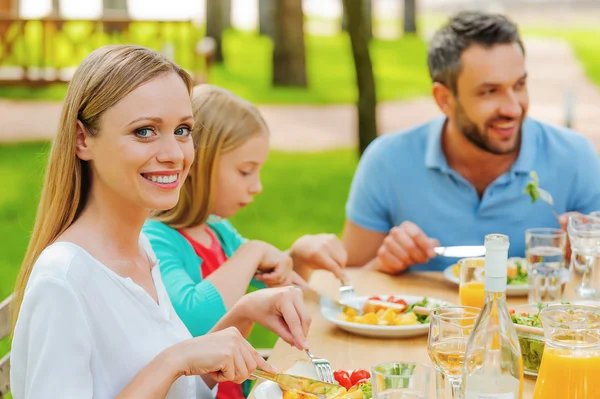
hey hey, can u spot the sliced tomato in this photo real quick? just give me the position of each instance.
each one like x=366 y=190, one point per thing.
x=401 y=302
x=342 y=377
x=525 y=314
x=390 y=299
x=512 y=311
x=375 y=298
x=359 y=375
x=363 y=381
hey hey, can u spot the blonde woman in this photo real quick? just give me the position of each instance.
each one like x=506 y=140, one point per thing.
x=205 y=263
x=93 y=318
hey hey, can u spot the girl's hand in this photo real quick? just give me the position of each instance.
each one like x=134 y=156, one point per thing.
x=321 y=251
x=275 y=267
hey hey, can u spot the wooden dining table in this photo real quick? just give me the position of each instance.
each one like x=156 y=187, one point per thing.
x=349 y=351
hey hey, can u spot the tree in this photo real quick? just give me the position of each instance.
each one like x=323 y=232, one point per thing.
x=289 y=60
x=367 y=100
x=55 y=10
x=266 y=11
x=226 y=14
x=367 y=15
x=214 y=25
x=9 y=8
x=410 y=16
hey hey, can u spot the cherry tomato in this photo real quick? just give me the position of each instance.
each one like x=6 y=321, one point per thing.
x=401 y=302
x=525 y=314
x=375 y=298
x=358 y=375
x=390 y=299
x=342 y=377
x=512 y=311
x=363 y=381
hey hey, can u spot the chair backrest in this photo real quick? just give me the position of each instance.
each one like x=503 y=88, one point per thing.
x=4 y=332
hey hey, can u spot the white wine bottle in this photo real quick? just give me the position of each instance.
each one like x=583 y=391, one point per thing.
x=493 y=367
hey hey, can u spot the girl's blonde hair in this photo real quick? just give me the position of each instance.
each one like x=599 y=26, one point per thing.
x=104 y=77
x=222 y=123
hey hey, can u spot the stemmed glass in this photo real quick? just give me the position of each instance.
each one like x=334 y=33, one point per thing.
x=584 y=236
x=449 y=331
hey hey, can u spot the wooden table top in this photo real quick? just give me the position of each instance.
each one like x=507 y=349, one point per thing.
x=348 y=351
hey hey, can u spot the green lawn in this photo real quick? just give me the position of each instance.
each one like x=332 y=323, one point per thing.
x=303 y=193
x=399 y=68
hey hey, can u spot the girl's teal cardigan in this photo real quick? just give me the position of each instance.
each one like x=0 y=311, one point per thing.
x=196 y=301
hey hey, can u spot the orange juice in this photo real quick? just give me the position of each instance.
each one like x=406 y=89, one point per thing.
x=564 y=374
x=472 y=294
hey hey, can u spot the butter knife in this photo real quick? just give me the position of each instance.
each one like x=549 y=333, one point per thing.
x=300 y=383
x=460 y=251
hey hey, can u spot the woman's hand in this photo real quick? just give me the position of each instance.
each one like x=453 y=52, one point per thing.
x=281 y=310
x=224 y=356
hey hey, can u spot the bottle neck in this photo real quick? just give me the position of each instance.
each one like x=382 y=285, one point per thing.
x=495 y=296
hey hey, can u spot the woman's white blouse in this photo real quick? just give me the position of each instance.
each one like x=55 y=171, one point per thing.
x=85 y=332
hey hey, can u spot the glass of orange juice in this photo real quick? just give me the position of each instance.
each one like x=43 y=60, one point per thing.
x=471 y=289
x=570 y=365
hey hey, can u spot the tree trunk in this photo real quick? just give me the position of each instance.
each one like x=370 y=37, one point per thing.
x=266 y=16
x=55 y=10
x=367 y=15
x=289 y=61
x=367 y=100
x=410 y=16
x=226 y=14
x=114 y=8
x=214 y=26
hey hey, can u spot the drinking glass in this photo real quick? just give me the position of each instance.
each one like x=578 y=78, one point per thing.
x=449 y=331
x=545 y=250
x=401 y=380
x=584 y=236
x=471 y=288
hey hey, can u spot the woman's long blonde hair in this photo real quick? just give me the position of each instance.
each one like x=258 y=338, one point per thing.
x=104 y=77
x=222 y=123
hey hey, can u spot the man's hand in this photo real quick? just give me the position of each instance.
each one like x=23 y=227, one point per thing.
x=404 y=246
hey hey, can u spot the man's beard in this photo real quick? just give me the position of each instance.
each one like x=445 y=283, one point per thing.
x=481 y=139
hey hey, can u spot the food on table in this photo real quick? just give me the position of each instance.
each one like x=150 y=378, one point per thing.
x=386 y=311
x=517 y=272
x=532 y=346
x=532 y=187
x=354 y=384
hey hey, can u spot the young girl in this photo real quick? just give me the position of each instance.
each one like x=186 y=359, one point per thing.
x=205 y=264
x=93 y=318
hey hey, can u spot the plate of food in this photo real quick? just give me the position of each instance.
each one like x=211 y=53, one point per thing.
x=517 y=279
x=383 y=316
x=353 y=384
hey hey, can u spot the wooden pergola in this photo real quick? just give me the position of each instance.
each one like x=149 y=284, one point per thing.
x=47 y=50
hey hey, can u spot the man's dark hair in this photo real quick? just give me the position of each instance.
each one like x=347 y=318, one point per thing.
x=463 y=30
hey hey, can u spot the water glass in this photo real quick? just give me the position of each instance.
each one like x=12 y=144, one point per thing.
x=584 y=236
x=545 y=250
x=401 y=380
x=449 y=331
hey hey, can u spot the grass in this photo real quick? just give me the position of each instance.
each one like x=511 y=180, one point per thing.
x=303 y=193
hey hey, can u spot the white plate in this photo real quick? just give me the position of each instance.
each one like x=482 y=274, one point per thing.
x=268 y=390
x=370 y=330
x=511 y=290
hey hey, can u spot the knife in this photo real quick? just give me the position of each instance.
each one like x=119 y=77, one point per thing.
x=463 y=251
x=326 y=301
x=300 y=383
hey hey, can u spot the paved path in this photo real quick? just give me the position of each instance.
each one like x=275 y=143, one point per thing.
x=552 y=66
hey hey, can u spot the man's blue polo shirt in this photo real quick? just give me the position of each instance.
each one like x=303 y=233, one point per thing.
x=405 y=176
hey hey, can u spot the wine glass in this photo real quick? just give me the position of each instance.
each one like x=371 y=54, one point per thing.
x=449 y=331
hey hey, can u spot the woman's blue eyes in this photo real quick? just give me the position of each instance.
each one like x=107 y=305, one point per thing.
x=148 y=132
x=183 y=131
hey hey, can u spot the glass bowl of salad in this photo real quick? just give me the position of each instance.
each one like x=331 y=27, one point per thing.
x=532 y=346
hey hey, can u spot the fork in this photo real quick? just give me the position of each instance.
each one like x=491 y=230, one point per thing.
x=324 y=369
x=347 y=290
x=547 y=197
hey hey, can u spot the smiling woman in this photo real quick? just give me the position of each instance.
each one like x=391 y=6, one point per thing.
x=91 y=310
